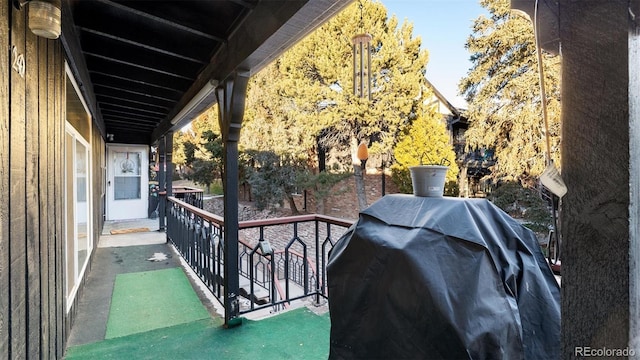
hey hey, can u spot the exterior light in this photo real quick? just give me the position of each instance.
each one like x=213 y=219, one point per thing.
x=44 y=17
x=363 y=154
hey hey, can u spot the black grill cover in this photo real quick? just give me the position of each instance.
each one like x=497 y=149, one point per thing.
x=441 y=278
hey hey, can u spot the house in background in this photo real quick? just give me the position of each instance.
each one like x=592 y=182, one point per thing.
x=80 y=109
x=475 y=165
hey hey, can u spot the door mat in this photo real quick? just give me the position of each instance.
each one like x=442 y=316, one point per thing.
x=129 y=231
x=148 y=300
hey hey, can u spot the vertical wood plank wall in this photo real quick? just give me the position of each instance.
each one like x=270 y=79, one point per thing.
x=5 y=60
x=32 y=112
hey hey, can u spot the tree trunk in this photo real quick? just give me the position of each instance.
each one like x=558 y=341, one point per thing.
x=292 y=205
x=320 y=202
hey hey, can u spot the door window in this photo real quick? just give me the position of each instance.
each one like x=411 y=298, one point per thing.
x=127 y=176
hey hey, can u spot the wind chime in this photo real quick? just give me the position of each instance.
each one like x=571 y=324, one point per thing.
x=361 y=89
x=362 y=61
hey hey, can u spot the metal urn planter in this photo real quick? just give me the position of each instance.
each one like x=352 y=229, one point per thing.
x=428 y=180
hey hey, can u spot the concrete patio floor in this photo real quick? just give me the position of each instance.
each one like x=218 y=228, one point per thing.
x=139 y=252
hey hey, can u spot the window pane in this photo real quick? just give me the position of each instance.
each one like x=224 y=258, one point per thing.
x=126 y=187
x=127 y=175
x=82 y=208
x=127 y=164
x=71 y=218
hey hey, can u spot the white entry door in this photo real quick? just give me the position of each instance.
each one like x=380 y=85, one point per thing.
x=127 y=182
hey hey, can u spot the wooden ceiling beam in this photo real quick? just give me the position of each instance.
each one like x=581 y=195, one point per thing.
x=160 y=20
x=108 y=89
x=129 y=100
x=130 y=119
x=167 y=71
x=139 y=44
x=115 y=112
x=121 y=106
x=112 y=123
x=137 y=81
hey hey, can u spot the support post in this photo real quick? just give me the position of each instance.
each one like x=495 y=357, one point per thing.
x=168 y=141
x=599 y=165
x=231 y=96
x=634 y=178
x=383 y=178
x=161 y=184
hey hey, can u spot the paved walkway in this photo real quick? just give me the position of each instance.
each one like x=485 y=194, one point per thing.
x=121 y=254
x=141 y=252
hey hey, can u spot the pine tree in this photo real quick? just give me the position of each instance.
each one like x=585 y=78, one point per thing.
x=305 y=97
x=503 y=92
x=198 y=147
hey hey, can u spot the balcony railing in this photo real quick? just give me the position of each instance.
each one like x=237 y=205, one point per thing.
x=192 y=196
x=296 y=269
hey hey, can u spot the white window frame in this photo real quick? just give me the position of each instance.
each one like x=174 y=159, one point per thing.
x=79 y=269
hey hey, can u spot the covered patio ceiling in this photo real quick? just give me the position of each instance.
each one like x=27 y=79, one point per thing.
x=149 y=67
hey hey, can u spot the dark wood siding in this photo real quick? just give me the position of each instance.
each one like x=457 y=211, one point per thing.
x=32 y=195
x=16 y=200
x=4 y=177
x=32 y=308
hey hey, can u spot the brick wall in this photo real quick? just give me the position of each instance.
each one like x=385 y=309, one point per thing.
x=343 y=203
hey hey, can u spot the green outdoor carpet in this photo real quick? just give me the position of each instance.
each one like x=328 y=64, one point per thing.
x=150 y=300
x=297 y=334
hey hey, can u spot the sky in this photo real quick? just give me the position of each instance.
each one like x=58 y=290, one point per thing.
x=444 y=26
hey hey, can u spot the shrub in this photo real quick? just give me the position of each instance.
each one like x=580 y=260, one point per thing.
x=523 y=203
x=426 y=142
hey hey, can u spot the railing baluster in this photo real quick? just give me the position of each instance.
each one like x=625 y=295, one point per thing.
x=197 y=236
x=317 y=247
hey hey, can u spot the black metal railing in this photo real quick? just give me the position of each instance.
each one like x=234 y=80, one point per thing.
x=295 y=269
x=192 y=196
x=197 y=236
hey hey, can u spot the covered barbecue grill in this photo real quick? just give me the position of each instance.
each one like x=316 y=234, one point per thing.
x=441 y=278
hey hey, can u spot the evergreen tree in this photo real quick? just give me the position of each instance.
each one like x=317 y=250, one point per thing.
x=198 y=149
x=194 y=133
x=425 y=142
x=207 y=165
x=274 y=178
x=503 y=92
x=308 y=92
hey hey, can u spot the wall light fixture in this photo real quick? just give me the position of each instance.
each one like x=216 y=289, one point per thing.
x=44 y=17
